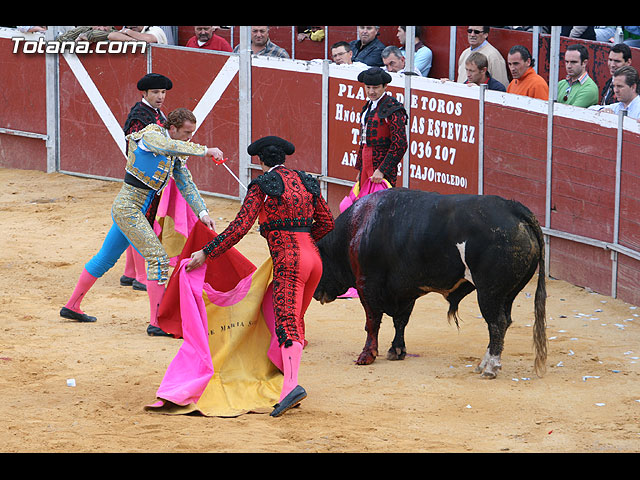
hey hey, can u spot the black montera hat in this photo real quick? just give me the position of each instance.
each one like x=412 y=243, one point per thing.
x=374 y=76
x=255 y=147
x=154 y=80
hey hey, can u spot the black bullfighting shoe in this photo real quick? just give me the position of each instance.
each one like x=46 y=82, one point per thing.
x=126 y=281
x=79 y=317
x=157 y=332
x=137 y=285
x=294 y=397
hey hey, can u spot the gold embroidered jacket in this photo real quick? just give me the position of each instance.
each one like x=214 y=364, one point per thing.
x=153 y=155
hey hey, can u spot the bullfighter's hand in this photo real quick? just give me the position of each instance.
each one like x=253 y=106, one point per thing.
x=377 y=176
x=215 y=152
x=208 y=221
x=197 y=259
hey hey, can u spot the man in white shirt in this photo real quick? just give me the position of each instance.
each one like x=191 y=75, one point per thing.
x=625 y=87
x=394 y=61
x=341 y=54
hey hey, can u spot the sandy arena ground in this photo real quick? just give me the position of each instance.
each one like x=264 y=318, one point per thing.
x=589 y=400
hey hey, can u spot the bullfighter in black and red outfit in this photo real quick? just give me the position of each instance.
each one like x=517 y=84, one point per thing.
x=292 y=215
x=383 y=136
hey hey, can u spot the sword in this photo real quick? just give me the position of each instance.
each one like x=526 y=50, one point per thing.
x=222 y=162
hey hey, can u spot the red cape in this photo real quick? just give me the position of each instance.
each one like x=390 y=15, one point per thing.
x=223 y=273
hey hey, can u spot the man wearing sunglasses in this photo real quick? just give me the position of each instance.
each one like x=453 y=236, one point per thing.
x=478 y=42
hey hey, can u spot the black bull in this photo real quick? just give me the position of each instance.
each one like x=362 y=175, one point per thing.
x=397 y=245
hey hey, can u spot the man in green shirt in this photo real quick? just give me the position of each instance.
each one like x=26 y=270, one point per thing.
x=578 y=88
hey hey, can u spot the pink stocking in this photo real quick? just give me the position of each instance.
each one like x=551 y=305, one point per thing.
x=156 y=292
x=85 y=282
x=130 y=264
x=291 y=363
x=141 y=271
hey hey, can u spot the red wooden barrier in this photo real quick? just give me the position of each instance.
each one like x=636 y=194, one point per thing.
x=86 y=141
x=96 y=93
x=192 y=73
x=22 y=110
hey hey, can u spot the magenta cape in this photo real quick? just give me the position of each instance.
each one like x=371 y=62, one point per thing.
x=229 y=362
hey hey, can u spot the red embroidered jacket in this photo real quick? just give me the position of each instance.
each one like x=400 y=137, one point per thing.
x=386 y=135
x=283 y=199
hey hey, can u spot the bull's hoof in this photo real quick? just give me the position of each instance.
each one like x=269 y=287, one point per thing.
x=489 y=375
x=489 y=371
x=396 y=353
x=489 y=366
x=366 y=358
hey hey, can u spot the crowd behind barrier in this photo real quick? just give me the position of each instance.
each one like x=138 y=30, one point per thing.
x=585 y=198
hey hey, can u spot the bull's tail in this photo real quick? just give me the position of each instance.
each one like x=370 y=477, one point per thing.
x=540 y=325
x=454 y=299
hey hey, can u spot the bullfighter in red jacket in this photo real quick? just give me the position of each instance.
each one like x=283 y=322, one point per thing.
x=292 y=215
x=383 y=136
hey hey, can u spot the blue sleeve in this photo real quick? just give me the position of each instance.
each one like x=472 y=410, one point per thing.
x=423 y=60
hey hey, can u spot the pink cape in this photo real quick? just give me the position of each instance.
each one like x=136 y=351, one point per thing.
x=174 y=220
x=234 y=291
x=191 y=370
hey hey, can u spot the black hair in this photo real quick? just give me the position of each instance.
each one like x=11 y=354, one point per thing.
x=418 y=30
x=524 y=53
x=342 y=43
x=272 y=155
x=581 y=49
x=624 y=49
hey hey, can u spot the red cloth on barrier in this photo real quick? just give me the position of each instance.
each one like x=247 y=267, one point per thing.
x=223 y=274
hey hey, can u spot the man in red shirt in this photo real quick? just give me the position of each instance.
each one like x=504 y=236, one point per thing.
x=206 y=38
x=525 y=79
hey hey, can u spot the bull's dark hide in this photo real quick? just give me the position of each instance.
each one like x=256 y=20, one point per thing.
x=397 y=245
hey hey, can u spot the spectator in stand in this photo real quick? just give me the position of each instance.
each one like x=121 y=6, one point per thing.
x=545 y=29
x=341 y=54
x=619 y=56
x=477 y=67
x=139 y=34
x=368 y=48
x=625 y=86
x=86 y=34
x=313 y=33
x=578 y=88
x=206 y=38
x=423 y=56
x=605 y=34
x=39 y=29
x=586 y=33
x=631 y=36
x=478 y=42
x=169 y=33
x=394 y=61
x=262 y=45
x=525 y=80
